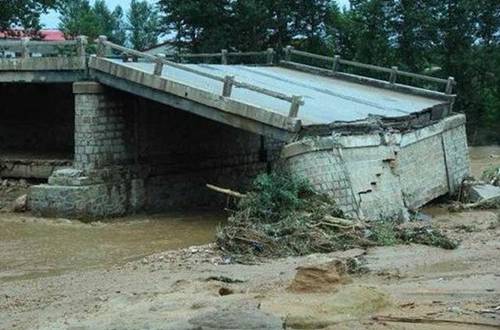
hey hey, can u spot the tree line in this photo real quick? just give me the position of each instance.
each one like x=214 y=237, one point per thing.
x=459 y=38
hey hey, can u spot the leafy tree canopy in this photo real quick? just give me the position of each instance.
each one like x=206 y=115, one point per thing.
x=24 y=13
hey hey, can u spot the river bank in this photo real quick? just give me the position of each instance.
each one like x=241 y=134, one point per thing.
x=143 y=273
x=171 y=290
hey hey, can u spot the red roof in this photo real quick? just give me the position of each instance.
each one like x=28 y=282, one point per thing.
x=45 y=35
x=52 y=35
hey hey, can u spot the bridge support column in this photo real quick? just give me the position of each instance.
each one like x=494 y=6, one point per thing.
x=103 y=181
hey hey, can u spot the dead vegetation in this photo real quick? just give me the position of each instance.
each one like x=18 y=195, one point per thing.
x=283 y=216
x=492 y=176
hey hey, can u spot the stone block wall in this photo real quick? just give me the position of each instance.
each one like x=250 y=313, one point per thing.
x=387 y=173
x=103 y=128
x=326 y=171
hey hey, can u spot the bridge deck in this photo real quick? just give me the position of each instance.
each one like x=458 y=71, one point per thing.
x=326 y=99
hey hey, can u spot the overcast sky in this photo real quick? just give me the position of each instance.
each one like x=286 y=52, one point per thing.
x=51 y=20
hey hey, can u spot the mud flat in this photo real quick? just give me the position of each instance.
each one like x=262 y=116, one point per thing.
x=141 y=274
x=171 y=290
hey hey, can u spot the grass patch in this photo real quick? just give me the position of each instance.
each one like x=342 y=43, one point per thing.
x=492 y=176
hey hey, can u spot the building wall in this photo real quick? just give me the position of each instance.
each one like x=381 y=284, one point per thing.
x=388 y=173
x=37 y=118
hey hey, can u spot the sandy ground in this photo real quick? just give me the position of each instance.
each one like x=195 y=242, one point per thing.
x=166 y=290
x=176 y=289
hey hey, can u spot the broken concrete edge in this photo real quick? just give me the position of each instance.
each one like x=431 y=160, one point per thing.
x=313 y=144
x=483 y=192
x=197 y=95
x=368 y=81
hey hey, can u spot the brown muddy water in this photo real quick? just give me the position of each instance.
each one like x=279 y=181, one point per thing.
x=34 y=247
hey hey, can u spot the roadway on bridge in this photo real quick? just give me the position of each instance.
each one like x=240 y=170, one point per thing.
x=326 y=99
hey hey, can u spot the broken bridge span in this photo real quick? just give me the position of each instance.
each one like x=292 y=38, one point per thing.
x=146 y=133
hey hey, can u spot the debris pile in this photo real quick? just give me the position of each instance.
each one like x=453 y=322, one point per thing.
x=482 y=194
x=283 y=216
x=492 y=176
x=13 y=195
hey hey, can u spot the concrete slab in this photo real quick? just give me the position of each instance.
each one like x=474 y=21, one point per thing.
x=326 y=99
x=484 y=192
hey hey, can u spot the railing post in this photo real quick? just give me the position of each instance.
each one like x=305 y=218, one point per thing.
x=270 y=56
x=25 y=53
x=295 y=106
x=223 y=57
x=101 y=47
x=449 y=85
x=394 y=75
x=82 y=44
x=158 y=67
x=336 y=63
x=227 y=90
x=288 y=53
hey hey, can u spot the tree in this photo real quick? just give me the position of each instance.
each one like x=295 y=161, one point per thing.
x=109 y=23
x=199 y=25
x=309 y=23
x=371 y=21
x=78 y=17
x=413 y=23
x=143 y=21
x=250 y=30
x=23 y=12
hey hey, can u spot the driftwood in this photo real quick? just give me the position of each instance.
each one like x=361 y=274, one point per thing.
x=430 y=321
x=485 y=203
x=228 y=192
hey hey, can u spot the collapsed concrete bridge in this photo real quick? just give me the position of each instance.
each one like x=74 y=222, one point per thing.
x=114 y=136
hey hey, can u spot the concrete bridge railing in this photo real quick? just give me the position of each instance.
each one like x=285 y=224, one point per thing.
x=106 y=47
x=41 y=61
x=26 y=48
x=393 y=73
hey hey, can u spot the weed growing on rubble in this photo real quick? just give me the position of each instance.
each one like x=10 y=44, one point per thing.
x=492 y=175
x=282 y=216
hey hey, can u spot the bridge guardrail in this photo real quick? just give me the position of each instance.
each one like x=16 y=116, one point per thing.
x=27 y=48
x=393 y=72
x=229 y=82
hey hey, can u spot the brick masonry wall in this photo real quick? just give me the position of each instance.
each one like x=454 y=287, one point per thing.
x=37 y=119
x=422 y=169
x=326 y=171
x=103 y=130
x=389 y=173
x=457 y=156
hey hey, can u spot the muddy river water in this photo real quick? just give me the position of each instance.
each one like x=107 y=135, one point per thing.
x=34 y=247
